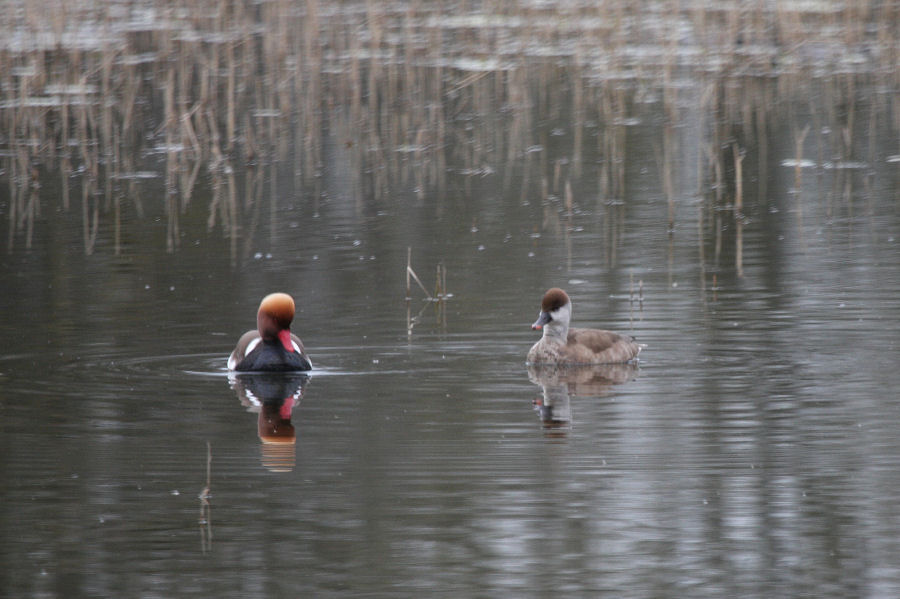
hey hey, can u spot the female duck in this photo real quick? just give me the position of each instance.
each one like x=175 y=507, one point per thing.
x=561 y=345
x=271 y=347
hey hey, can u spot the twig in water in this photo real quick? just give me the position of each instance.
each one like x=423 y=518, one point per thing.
x=205 y=513
x=411 y=273
x=440 y=296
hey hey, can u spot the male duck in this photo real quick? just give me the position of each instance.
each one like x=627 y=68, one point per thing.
x=560 y=345
x=271 y=347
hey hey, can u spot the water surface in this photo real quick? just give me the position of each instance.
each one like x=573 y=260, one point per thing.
x=752 y=452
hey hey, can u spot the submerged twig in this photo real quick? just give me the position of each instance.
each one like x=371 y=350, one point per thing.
x=205 y=512
x=411 y=273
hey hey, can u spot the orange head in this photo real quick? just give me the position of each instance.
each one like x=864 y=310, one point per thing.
x=274 y=317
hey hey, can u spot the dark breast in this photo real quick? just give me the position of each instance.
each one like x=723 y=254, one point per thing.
x=272 y=357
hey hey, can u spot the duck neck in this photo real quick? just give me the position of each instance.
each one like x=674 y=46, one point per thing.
x=556 y=332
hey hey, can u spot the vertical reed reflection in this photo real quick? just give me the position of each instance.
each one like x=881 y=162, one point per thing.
x=413 y=89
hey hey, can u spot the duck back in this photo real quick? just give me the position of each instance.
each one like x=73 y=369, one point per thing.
x=595 y=346
x=270 y=356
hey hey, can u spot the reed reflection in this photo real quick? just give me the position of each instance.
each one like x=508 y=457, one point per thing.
x=559 y=383
x=273 y=397
x=180 y=98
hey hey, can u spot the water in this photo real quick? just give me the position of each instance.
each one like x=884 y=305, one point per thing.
x=751 y=453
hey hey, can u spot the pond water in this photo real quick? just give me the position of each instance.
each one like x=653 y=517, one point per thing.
x=754 y=451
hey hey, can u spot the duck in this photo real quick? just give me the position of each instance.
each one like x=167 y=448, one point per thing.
x=271 y=347
x=560 y=345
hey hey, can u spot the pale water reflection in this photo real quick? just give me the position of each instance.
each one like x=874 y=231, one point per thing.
x=558 y=383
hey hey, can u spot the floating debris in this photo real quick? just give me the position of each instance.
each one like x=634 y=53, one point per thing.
x=266 y=113
x=845 y=165
x=626 y=122
x=44 y=102
x=481 y=171
x=410 y=149
x=62 y=89
x=137 y=175
x=802 y=163
x=827 y=165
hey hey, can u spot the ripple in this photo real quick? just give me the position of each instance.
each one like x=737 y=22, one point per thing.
x=102 y=371
x=205 y=364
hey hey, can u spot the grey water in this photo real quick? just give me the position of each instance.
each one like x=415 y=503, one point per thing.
x=754 y=451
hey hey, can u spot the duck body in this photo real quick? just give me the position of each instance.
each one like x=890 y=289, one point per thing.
x=562 y=345
x=255 y=354
x=271 y=347
x=584 y=346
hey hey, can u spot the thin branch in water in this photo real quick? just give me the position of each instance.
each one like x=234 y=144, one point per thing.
x=205 y=510
x=411 y=273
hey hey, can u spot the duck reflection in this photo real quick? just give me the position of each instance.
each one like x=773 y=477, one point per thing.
x=560 y=382
x=273 y=396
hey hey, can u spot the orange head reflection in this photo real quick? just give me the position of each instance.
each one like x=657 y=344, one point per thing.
x=277 y=435
x=273 y=396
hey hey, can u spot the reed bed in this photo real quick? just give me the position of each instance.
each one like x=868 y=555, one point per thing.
x=404 y=91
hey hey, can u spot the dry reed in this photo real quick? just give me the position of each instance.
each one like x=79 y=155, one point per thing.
x=226 y=86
